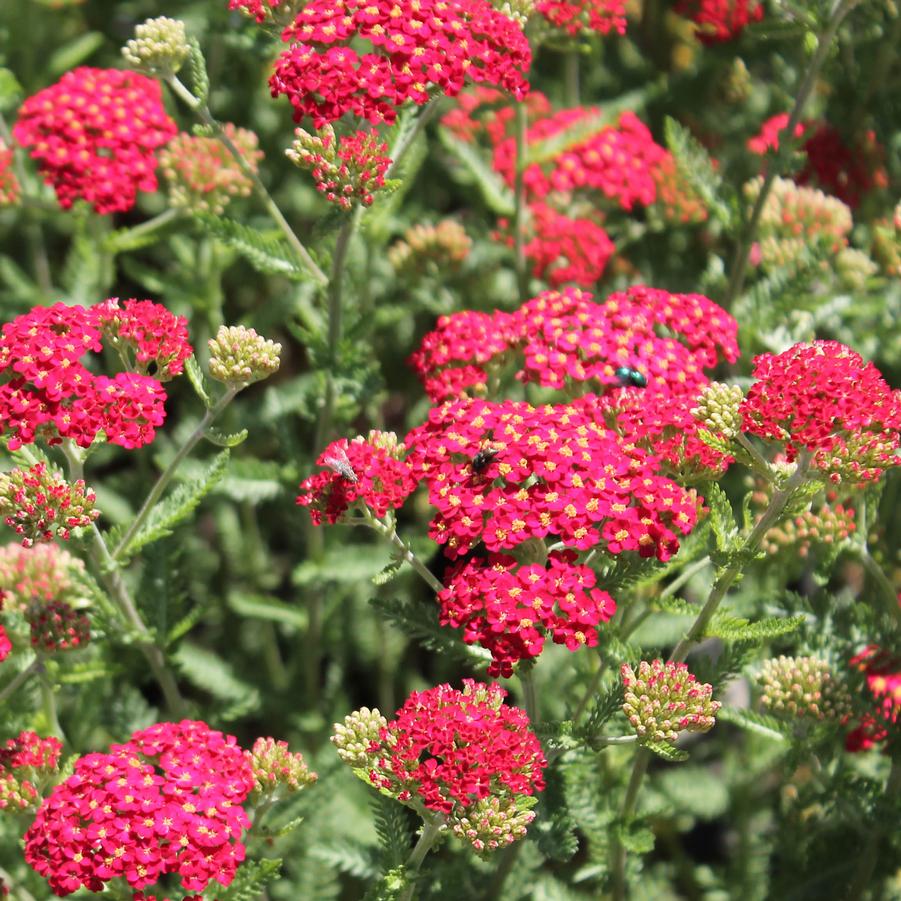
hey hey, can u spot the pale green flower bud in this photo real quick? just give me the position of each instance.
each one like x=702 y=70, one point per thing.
x=274 y=765
x=353 y=738
x=240 y=356
x=718 y=407
x=803 y=687
x=159 y=47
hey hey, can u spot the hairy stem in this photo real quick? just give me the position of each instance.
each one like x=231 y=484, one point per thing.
x=20 y=679
x=775 y=164
x=161 y=220
x=721 y=585
x=530 y=695
x=48 y=701
x=202 y=111
x=431 y=829
x=405 y=552
x=169 y=472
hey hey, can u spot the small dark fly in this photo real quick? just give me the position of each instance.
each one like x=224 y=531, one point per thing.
x=483 y=459
x=341 y=465
x=628 y=377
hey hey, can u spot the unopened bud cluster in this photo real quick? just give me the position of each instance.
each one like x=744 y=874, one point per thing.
x=57 y=626
x=385 y=441
x=493 y=822
x=239 y=356
x=796 y=218
x=853 y=267
x=202 y=174
x=347 y=170
x=829 y=525
x=39 y=504
x=430 y=248
x=159 y=47
x=803 y=687
x=717 y=409
x=886 y=240
x=355 y=738
x=274 y=765
x=38 y=574
x=664 y=699
x=26 y=762
x=518 y=10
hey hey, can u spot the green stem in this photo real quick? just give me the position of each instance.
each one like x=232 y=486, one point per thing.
x=399 y=151
x=571 y=77
x=202 y=111
x=723 y=583
x=161 y=220
x=530 y=694
x=168 y=473
x=775 y=164
x=759 y=464
x=874 y=570
x=48 y=701
x=431 y=829
x=520 y=125
x=20 y=679
x=404 y=550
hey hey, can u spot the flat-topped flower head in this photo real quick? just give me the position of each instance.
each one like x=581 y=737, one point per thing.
x=369 y=57
x=6 y=646
x=505 y=473
x=585 y=16
x=38 y=574
x=430 y=249
x=720 y=20
x=41 y=505
x=276 y=13
x=822 y=398
x=57 y=626
x=203 y=176
x=159 y=47
x=9 y=183
x=882 y=670
x=364 y=470
x=26 y=763
x=825 y=527
x=511 y=609
x=664 y=699
x=168 y=801
x=803 y=687
x=347 y=170
x=94 y=134
x=47 y=392
x=450 y=751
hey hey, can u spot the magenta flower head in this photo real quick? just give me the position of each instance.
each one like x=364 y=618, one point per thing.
x=823 y=398
x=26 y=763
x=168 y=801
x=464 y=755
x=94 y=134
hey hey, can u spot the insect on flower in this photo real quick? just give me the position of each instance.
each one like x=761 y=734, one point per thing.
x=341 y=465
x=631 y=377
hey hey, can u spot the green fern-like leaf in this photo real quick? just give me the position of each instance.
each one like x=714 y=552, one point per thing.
x=554 y=829
x=199 y=382
x=266 y=254
x=348 y=857
x=735 y=628
x=224 y=439
x=696 y=167
x=392 y=825
x=267 y=607
x=722 y=519
x=474 y=169
x=667 y=751
x=213 y=675
x=250 y=880
x=176 y=508
x=200 y=80
x=420 y=622
x=752 y=721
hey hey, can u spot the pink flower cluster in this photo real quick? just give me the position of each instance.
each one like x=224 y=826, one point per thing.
x=847 y=172
x=552 y=470
x=56 y=626
x=259 y=9
x=510 y=610
x=168 y=801
x=94 y=134
x=676 y=198
x=40 y=505
x=417 y=46
x=575 y=16
x=25 y=761
x=720 y=20
x=822 y=397
x=367 y=470
x=453 y=748
x=6 y=645
x=9 y=184
x=50 y=393
x=883 y=675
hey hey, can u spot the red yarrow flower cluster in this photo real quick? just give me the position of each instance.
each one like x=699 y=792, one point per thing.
x=824 y=399
x=40 y=505
x=94 y=134
x=168 y=801
x=57 y=626
x=451 y=748
x=720 y=20
x=347 y=170
x=6 y=646
x=883 y=676
x=50 y=393
x=510 y=609
x=259 y=9
x=676 y=198
x=417 y=46
x=505 y=473
x=25 y=763
x=579 y=16
x=845 y=171
x=370 y=471
x=9 y=184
